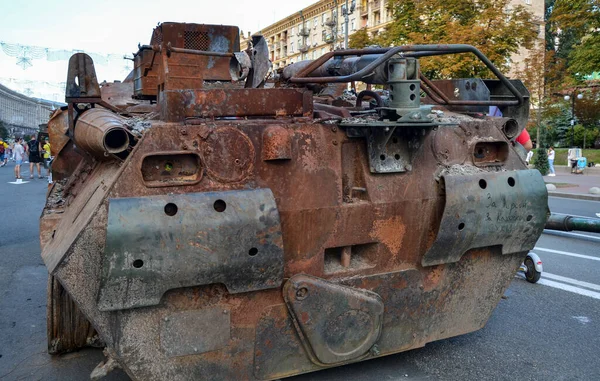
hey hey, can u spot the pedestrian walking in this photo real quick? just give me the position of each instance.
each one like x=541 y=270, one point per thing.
x=551 y=155
x=35 y=160
x=3 y=152
x=19 y=154
x=47 y=156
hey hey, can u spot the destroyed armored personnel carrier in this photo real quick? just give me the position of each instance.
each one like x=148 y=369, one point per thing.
x=214 y=220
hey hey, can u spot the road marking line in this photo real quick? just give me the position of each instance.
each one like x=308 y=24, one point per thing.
x=572 y=281
x=566 y=287
x=567 y=253
x=577 y=215
x=571 y=235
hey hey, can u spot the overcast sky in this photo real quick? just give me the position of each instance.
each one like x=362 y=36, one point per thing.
x=115 y=26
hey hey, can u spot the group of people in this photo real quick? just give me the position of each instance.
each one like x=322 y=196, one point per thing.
x=36 y=152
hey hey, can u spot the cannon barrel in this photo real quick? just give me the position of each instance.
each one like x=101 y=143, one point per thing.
x=101 y=133
x=564 y=222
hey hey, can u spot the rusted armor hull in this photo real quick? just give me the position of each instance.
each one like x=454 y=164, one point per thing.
x=224 y=247
x=389 y=228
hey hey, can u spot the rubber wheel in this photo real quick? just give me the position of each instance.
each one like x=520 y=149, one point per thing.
x=532 y=275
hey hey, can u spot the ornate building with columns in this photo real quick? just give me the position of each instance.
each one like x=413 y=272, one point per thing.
x=22 y=115
x=320 y=28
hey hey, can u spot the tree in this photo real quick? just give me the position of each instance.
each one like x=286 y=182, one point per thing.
x=3 y=131
x=540 y=160
x=587 y=109
x=583 y=136
x=577 y=22
x=533 y=76
x=493 y=27
x=360 y=39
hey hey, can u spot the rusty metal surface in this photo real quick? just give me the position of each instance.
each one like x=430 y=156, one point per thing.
x=186 y=69
x=101 y=133
x=81 y=78
x=169 y=169
x=408 y=51
x=335 y=323
x=193 y=332
x=147 y=231
x=180 y=105
x=232 y=238
x=145 y=73
x=507 y=209
x=67 y=328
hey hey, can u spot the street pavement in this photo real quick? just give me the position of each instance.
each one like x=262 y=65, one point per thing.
x=544 y=331
x=567 y=182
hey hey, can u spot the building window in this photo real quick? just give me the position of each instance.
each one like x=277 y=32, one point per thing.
x=292 y=32
x=315 y=22
x=323 y=18
x=322 y=51
x=343 y=28
x=528 y=2
x=307 y=24
x=352 y=25
x=291 y=47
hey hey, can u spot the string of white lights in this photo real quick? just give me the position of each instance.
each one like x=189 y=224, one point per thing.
x=25 y=55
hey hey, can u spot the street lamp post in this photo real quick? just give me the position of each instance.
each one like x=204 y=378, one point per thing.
x=572 y=98
x=347 y=12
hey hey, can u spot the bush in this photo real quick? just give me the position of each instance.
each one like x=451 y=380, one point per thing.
x=540 y=161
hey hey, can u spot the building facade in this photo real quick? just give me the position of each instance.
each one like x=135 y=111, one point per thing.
x=320 y=28
x=22 y=115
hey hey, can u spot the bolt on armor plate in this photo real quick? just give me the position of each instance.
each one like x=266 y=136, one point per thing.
x=156 y=244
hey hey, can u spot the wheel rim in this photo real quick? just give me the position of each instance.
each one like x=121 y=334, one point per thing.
x=530 y=269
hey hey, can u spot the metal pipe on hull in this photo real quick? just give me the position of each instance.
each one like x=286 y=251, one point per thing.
x=101 y=133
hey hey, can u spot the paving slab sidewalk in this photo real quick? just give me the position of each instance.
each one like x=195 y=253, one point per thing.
x=574 y=186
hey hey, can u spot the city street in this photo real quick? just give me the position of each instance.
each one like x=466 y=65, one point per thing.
x=544 y=331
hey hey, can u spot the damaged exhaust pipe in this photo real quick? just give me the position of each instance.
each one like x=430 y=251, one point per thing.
x=101 y=133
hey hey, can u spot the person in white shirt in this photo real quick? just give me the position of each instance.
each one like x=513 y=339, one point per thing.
x=551 y=155
x=19 y=153
x=528 y=158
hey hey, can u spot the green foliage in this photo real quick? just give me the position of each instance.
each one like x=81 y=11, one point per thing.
x=360 y=39
x=585 y=58
x=3 y=131
x=577 y=25
x=556 y=123
x=540 y=160
x=591 y=135
x=485 y=24
x=562 y=154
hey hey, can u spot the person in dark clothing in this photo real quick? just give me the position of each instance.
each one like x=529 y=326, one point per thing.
x=34 y=157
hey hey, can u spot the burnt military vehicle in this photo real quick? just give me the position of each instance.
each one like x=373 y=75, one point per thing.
x=215 y=220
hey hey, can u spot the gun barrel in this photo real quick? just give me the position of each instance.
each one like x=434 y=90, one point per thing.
x=101 y=133
x=567 y=223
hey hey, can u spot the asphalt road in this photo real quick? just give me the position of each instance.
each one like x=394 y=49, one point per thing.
x=546 y=331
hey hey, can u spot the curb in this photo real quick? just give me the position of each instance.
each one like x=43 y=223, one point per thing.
x=576 y=196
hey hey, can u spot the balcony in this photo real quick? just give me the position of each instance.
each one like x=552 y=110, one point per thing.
x=329 y=38
x=304 y=32
x=375 y=5
x=364 y=10
x=330 y=23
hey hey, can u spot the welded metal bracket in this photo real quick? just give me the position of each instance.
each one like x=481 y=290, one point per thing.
x=507 y=209
x=159 y=243
x=335 y=323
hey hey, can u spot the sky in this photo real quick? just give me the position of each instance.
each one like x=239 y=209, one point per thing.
x=110 y=27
